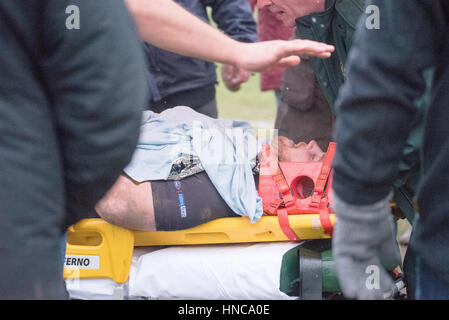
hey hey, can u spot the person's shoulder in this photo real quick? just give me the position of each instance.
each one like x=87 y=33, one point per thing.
x=350 y=10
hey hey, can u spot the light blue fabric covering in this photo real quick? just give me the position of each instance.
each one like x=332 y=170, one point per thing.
x=227 y=150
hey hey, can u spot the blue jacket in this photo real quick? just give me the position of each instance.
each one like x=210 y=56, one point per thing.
x=172 y=73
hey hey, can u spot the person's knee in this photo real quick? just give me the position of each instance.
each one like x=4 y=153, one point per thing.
x=113 y=209
x=128 y=205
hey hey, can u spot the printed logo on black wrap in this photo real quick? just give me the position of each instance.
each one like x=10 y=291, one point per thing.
x=182 y=203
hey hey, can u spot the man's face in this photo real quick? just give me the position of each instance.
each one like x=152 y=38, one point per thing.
x=288 y=10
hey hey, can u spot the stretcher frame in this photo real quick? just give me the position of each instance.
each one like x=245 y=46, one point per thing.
x=113 y=246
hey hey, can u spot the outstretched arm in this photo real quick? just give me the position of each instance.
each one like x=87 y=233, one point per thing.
x=167 y=25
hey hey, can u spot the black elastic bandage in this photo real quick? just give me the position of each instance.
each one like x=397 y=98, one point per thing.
x=186 y=203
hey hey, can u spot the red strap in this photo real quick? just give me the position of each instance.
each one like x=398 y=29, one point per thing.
x=279 y=178
x=287 y=199
x=285 y=225
x=319 y=189
x=324 y=174
x=326 y=222
x=284 y=188
x=273 y=207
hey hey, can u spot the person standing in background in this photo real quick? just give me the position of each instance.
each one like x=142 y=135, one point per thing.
x=303 y=111
x=169 y=26
x=180 y=80
x=271 y=28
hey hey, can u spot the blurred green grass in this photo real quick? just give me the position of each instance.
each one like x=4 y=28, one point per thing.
x=249 y=103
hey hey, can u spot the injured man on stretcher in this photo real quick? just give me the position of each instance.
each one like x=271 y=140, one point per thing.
x=189 y=169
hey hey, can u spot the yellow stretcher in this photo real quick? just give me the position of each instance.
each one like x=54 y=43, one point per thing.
x=97 y=249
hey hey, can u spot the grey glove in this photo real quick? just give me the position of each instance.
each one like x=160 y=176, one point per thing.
x=364 y=241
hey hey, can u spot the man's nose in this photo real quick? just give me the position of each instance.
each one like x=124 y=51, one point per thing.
x=263 y=3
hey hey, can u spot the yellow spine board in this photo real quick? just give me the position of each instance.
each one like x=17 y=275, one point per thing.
x=235 y=230
x=112 y=247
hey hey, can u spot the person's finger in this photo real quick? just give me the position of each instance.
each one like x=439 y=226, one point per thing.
x=309 y=45
x=233 y=71
x=228 y=71
x=244 y=75
x=241 y=76
x=290 y=61
x=228 y=76
x=259 y=57
x=308 y=48
x=224 y=73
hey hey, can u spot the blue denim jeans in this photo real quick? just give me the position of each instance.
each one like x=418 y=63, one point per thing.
x=429 y=284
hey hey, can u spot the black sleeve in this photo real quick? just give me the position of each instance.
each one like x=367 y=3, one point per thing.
x=234 y=18
x=375 y=108
x=95 y=78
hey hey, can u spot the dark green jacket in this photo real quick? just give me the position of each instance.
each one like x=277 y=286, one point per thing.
x=337 y=25
x=410 y=168
x=71 y=102
x=377 y=105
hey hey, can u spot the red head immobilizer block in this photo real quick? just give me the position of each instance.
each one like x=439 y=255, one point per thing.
x=288 y=188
